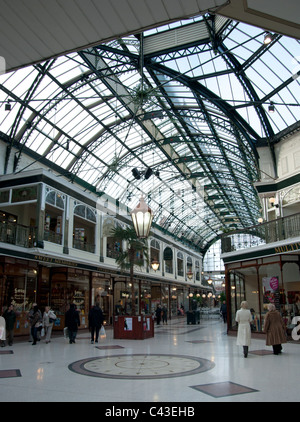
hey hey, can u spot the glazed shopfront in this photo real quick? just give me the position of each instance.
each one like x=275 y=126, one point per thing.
x=50 y=281
x=272 y=277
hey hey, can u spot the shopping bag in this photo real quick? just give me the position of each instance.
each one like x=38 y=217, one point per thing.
x=43 y=332
x=102 y=332
x=66 y=332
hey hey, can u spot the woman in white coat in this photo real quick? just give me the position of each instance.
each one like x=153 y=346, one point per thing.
x=2 y=331
x=243 y=318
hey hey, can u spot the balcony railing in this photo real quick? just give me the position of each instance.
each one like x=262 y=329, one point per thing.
x=271 y=231
x=83 y=246
x=53 y=237
x=17 y=234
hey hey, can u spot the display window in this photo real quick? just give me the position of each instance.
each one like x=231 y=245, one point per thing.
x=102 y=293
x=69 y=285
x=145 y=299
x=180 y=268
x=18 y=286
x=168 y=260
x=269 y=280
x=54 y=211
x=123 y=292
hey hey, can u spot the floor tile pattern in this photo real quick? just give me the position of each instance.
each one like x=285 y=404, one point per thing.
x=223 y=389
x=181 y=364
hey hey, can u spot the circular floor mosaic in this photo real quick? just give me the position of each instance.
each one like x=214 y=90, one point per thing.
x=141 y=366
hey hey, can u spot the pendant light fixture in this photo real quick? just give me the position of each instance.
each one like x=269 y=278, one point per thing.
x=142 y=217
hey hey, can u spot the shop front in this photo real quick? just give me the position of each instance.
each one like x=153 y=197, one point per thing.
x=262 y=281
x=25 y=282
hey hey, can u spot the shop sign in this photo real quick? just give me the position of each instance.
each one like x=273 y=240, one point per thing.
x=288 y=248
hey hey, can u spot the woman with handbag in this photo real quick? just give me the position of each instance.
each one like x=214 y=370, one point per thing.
x=274 y=327
x=48 y=319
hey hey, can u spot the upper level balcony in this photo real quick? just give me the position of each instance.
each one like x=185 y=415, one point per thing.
x=17 y=234
x=261 y=234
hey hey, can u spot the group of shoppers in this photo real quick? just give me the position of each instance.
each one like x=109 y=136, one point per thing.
x=274 y=328
x=39 y=322
x=72 y=322
x=161 y=313
x=274 y=325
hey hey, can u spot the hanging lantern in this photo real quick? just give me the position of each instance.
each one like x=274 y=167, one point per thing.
x=189 y=274
x=142 y=219
x=155 y=265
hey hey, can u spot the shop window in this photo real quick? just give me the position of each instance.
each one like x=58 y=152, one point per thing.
x=113 y=247
x=145 y=299
x=197 y=270
x=168 y=260
x=69 y=285
x=24 y=194
x=154 y=252
x=19 y=287
x=53 y=226
x=55 y=198
x=180 y=270
x=189 y=266
x=4 y=196
x=14 y=233
x=8 y=227
x=102 y=294
x=84 y=228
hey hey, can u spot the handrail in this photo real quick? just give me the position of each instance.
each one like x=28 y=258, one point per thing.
x=17 y=234
x=268 y=232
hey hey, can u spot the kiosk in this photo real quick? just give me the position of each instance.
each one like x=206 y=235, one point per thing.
x=137 y=327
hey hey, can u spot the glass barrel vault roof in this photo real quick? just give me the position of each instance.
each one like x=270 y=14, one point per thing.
x=189 y=101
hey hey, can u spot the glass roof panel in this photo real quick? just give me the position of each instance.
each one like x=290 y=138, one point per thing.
x=193 y=113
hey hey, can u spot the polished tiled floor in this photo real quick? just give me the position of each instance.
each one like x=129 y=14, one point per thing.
x=181 y=364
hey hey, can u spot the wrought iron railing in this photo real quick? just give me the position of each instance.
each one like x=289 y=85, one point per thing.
x=271 y=231
x=17 y=234
x=84 y=246
x=53 y=237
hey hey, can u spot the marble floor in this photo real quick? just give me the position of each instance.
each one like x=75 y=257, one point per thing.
x=180 y=364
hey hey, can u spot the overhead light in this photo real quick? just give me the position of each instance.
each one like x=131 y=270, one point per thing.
x=271 y=107
x=272 y=201
x=136 y=174
x=268 y=38
x=142 y=217
x=148 y=173
x=209 y=280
